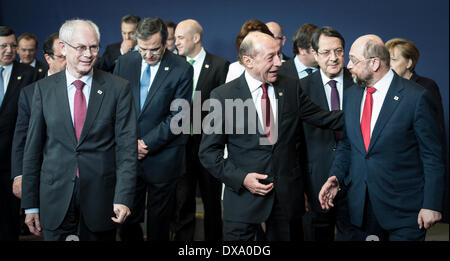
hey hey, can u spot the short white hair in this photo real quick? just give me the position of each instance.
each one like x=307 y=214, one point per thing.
x=66 y=30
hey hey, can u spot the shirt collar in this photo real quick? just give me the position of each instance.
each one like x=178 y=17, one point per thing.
x=383 y=84
x=339 y=78
x=87 y=79
x=252 y=83
x=199 y=57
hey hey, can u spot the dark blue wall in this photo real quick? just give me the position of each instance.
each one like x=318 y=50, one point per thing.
x=424 y=22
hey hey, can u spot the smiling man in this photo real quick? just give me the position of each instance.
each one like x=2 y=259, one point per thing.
x=79 y=166
x=263 y=183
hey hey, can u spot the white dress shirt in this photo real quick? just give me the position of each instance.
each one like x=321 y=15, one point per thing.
x=301 y=68
x=257 y=92
x=199 y=59
x=339 y=85
x=87 y=79
x=378 y=96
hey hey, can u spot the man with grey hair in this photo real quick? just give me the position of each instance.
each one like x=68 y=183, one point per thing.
x=390 y=155
x=263 y=182
x=79 y=166
x=157 y=78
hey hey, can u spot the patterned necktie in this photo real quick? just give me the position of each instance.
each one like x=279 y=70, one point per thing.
x=79 y=110
x=335 y=104
x=266 y=112
x=2 y=89
x=366 y=116
x=144 y=84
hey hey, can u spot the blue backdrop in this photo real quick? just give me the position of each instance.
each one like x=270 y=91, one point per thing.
x=424 y=22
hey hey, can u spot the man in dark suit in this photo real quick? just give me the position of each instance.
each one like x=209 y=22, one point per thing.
x=326 y=88
x=79 y=166
x=13 y=77
x=56 y=63
x=157 y=78
x=303 y=63
x=210 y=71
x=390 y=155
x=113 y=51
x=262 y=175
x=27 y=49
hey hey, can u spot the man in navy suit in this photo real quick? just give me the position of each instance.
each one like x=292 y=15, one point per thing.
x=157 y=78
x=390 y=155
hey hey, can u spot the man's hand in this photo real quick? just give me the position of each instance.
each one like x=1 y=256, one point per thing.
x=142 y=150
x=17 y=187
x=122 y=212
x=328 y=192
x=251 y=182
x=32 y=221
x=427 y=218
x=126 y=46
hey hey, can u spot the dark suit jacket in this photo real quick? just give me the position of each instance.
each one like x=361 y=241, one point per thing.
x=288 y=69
x=319 y=144
x=246 y=154
x=285 y=57
x=166 y=159
x=106 y=153
x=212 y=75
x=41 y=69
x=109 y=58
x=21 y=76
x=403 y=170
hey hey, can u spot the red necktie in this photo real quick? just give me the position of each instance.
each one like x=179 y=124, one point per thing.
x=366 y=116
x=266 y=111
x=79 y=109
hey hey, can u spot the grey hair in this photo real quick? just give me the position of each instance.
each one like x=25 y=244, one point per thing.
x=247 y=48
x=377 y=49
x=66 y=30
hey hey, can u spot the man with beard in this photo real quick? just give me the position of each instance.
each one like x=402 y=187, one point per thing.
x=390 y=154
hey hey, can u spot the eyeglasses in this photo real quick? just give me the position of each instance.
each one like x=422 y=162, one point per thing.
x=82 y=48
x=326 y=53
x=154 y=51
x=3 y=46
x=58 y=56
x=280 y=38
x=356 y=61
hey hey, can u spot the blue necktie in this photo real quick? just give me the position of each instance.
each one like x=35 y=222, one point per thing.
x=2 y=89
x=145 y=82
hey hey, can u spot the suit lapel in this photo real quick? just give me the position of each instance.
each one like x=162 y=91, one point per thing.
x=135 y=89
x=280 y=97
x=95 y=100
x=354 y=111
x=319 y=91
x=391 y=101
x=61 y=93
x=14 y=82
x=204 y=72
x=163 y=71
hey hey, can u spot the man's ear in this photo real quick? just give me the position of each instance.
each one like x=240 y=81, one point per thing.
x=63 y=47
x=247 y=61
x=196 y=38
x=47 y=58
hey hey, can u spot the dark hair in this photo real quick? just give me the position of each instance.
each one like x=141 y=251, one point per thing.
x=28 y=36
x=6 y=31
x=131 y=19
x=251 y=26
x=327 y=31
x=302 y=37
x=150 y=26
x=48 y=43
x=170 y=24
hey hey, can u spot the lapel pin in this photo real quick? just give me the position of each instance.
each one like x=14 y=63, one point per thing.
x=396 y=98
x=166 y=68
x=206 y=66
x=19 y=77
x=99 y=92
x=280 y=94
x=40 y=70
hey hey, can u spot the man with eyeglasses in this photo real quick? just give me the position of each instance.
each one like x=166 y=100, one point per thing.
x=79 y=164
x=113 y=51
x=157 y=78
x=326 y=88
x=13 y=77
x=277 y=32
x=27 y=50
x=303 y=63
x=390 y=155
x=56 y=63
